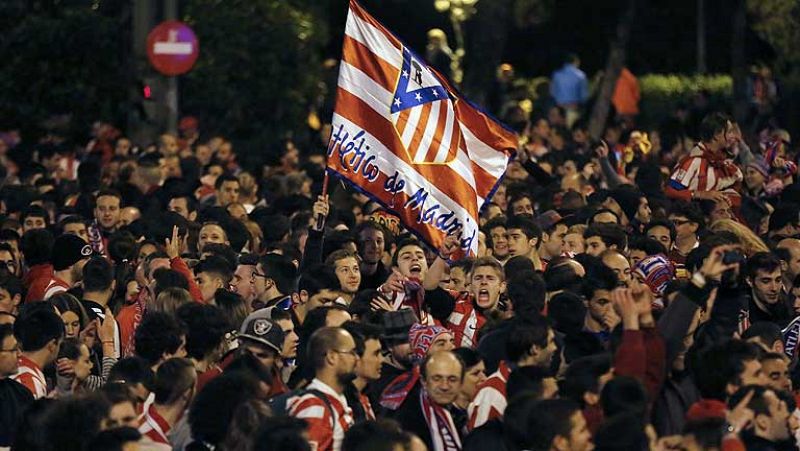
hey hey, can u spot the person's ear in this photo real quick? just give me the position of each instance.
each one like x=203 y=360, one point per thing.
x=303 y=297
x=591 y=399
x=503 y=286
x=192 y=216
x=560 y=443
x=16 y=299
x=761 y=421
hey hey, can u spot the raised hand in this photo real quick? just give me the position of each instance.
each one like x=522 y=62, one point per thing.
x=173 y=246
x=449 y=246
x=394 y=283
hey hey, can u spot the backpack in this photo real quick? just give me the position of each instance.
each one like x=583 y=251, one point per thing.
x=278 y=403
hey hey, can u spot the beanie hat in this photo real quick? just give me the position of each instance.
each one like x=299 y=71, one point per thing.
x=628 y=199
x=656 y=271
x=422 y=337
x=68 y=250
x=760 y=165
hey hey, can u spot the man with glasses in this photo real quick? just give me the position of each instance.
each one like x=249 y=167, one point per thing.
x=273 y=281
x=689 y=222
x=8 y=260
x=707 y=172
x=333 y=354
x=14 y=397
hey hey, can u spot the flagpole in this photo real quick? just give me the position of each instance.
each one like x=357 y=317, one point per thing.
x=321 y=217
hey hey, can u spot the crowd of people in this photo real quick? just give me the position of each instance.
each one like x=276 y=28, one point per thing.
x=635 y=293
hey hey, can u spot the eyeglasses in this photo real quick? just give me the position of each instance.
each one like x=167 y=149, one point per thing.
x=352 y=352
x=258 y=274
x=16 y=350
x=680 y=222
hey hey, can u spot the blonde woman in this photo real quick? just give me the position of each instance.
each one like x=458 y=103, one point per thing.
x=750 y=242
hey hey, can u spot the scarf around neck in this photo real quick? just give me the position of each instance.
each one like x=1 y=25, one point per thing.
x=444 y=434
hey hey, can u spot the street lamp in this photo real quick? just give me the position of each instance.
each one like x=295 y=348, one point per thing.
x=460 y=11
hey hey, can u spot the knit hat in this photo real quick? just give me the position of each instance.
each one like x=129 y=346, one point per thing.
x=69 y=249
x=628 y=199
x=422 y=337
x=656 y=271
x=260 y=328
x=760 y=165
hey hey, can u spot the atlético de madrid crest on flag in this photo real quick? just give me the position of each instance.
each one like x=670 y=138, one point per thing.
x=423 y=113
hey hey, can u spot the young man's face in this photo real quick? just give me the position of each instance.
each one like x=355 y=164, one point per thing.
x=371 y=245
x=208 y=283
x=33 y=223
x=228 y=192
x=106 y=212
x=264 y=354
x=369 y=365
x=8 y=262
x=323 y=298
x=595 y=246
x=555 y=240
x=348 y=273
x=290 y=342
x=768 y=285
x=752 y=374
x=683 y=226
x=777 y=371
x=600 y=306
x=78 y=229
x=8 y=303
x=486 y=286
x=580 y=439
x=643 y=213
x=519 y=243
x=522 y=206
x=180 y=205
x=573 y=242
x=9 y=356
x=411 y=262
x=123 y=414
x=458 y=279
x=499 y=242
x=661 y=234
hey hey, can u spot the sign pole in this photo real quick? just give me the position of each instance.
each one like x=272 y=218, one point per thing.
x=171 y=13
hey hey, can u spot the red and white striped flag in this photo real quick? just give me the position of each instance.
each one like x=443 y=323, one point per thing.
x=407 y=139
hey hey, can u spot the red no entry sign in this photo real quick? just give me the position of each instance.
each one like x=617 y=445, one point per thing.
x=172 y=48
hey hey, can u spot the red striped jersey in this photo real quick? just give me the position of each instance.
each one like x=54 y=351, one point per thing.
x=490 y=399
x=695 y=173
x=326 y=427
x=31 y=376
x=465 y=321
x=406 y=138
x=154 y=429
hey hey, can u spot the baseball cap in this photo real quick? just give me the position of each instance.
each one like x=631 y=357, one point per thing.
x=68 y=250
x=260 y=328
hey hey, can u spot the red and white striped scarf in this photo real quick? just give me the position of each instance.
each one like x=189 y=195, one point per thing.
x=444 y=434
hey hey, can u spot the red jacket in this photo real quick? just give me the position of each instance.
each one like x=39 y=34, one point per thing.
x=36 y=281
x=642 y=355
